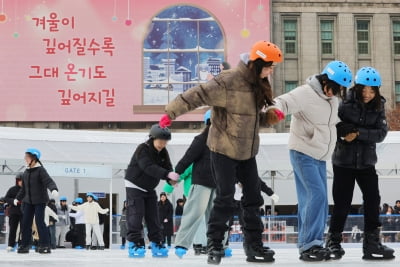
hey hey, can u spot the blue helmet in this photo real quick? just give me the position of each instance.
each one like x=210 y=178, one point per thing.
x=63 y=198
x=34 y=151
x=338 y=72
x=207 y=117
x=79 y=200
x=368 y=76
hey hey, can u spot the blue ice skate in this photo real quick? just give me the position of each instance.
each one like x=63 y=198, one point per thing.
x=136 y=251
x=228 y=252
x=158 y=250
x=180 y=251
x=122 y=247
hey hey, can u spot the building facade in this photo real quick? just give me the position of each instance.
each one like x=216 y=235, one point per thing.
x=359 y=32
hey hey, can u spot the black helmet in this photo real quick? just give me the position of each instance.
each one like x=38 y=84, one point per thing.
x=157 y=132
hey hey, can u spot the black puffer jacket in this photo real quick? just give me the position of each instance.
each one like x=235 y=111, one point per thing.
x=372 y=127
x=198 y=153
x=148 y=166
x=35 y=182
x=10 y=196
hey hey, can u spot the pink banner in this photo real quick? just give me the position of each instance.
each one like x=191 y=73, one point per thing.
x=114 y=60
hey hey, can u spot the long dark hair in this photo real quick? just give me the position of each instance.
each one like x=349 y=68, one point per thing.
x=337 y=90
x=262 y=87
x=375 y=103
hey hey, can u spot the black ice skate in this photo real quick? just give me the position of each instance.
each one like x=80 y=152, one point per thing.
x=333 y=244
x=256 y=252
x=199 y=249
x=373 y=248
x=215 y=252
x=315 y=253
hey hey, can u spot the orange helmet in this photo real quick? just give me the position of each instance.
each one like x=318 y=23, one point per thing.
x=266 y=51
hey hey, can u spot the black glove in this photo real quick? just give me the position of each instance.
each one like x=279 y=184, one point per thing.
x=344 y=128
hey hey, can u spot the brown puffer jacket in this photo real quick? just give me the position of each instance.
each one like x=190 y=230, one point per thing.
x=235 y=117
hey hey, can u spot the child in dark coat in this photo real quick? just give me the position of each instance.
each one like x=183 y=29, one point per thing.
x=149 y=164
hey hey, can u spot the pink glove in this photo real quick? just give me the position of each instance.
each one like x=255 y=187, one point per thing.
x=173 y=176
x=280 y=114
x=165 y=121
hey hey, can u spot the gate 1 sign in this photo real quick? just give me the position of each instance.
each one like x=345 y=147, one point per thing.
x=78 y=170
x=115 y=60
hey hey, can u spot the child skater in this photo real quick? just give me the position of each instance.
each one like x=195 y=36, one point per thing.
x=91 y=210
x=150 y=163
x=314 y=106
x=34 y=197
x=363 y=124
x=79 y=231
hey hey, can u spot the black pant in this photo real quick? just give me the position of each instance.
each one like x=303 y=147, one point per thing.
x=167 y=239
x=142 y=205
x=13 y=221
x=343 y=186
x=80 y=238
x=226 y=171
x=29 y=211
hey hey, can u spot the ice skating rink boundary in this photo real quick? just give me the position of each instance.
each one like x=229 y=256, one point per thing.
x=286 y=255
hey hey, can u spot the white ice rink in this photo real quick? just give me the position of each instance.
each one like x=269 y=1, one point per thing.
x=286 y=255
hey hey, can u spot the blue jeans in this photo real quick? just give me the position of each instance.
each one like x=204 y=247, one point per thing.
x=310 y=178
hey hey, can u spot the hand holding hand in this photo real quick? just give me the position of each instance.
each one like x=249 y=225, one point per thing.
x=173 y=176
x=165 y=121
x=274 y=115
x=16 y=202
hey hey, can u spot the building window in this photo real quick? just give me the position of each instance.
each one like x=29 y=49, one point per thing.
x=363 y=37
x=397 y=92
x=289 y=86
x=290 y=36
x=396 y=37
x=327 y=37
x=184 y=45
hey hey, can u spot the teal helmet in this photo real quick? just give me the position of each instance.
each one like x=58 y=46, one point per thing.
x=79 y=200
x=63 y=198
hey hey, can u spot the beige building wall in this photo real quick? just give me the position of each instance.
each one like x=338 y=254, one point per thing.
x=309 y=60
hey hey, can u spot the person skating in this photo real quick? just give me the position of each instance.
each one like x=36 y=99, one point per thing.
x=14 y=213
x=122 y=226
x=201 y=195
x=63 y=222
x=91 y=210
x=79 y=228
x=363 y=124
x=34 y=197
x=237 y=97
x=314 y=108
x=165 y=213
x=149 y=164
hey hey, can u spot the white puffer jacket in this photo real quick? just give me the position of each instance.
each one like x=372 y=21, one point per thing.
x=314 y=119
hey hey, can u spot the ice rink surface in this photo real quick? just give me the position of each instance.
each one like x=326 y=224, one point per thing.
x=286 y=255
